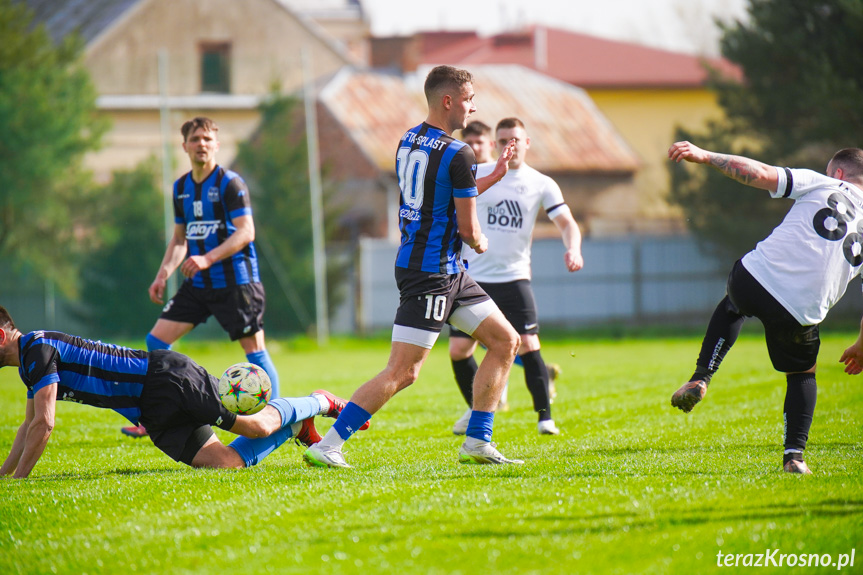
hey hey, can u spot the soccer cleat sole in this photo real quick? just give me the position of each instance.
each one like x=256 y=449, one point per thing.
x=493 y=458
x=313 y=459
x=689 y=395
x=477 y=460
x=798 y=467
x=553 y=430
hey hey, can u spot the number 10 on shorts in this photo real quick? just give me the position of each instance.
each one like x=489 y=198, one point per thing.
x=435 y=307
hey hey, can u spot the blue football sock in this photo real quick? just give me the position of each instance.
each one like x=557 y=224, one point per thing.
x=480 y=424
x=294 y=409
x=262 y=359
x=350 y=420
x=252 y=451
x=154 y=343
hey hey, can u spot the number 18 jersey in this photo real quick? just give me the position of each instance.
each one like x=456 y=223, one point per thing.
x=807 y=262
x=433 y=168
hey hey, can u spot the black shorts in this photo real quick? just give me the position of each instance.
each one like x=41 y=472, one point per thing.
x=239 y=309
x=179 y=403
x=515 y=299
x=428 y=299
x=792 y=347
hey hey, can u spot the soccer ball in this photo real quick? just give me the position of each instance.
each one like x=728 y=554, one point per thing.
x=244 y=388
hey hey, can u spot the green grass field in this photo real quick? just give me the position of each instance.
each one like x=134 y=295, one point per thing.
x=631 y=485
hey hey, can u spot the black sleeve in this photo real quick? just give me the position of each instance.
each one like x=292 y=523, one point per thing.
x=462 y=170
x=237 y=200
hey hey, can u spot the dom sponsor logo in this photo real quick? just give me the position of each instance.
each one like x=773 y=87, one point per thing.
x=506 y=214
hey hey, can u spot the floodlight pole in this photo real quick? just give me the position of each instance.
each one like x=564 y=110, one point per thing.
x=165 y=128
x=318 y=248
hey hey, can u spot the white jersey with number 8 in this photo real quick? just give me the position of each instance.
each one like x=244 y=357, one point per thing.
x=807 y=262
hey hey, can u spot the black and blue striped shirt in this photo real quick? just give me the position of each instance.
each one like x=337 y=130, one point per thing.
x=208 y=210
x=88 y=372
x=433 y=168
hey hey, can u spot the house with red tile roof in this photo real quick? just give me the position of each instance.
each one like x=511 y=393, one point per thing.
x=362 y=114
x=645 y=92
x=218 y=58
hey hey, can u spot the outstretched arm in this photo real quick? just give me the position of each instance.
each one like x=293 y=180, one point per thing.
x=11 y=462
x=39 y=423
x=853 y=356
x=744 y=170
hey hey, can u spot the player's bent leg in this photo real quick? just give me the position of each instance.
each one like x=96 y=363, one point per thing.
x=722 y=332
x=281 y=413
x=260 y=424
x=403 y=368
x=502 y=342
x=169 y=331
x=264 y=432
x=215 y=454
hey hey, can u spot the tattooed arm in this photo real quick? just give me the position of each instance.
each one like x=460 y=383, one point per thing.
x=744 y=170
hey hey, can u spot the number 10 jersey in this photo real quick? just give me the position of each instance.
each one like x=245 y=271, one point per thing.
x=808 y=260
x=433 y=168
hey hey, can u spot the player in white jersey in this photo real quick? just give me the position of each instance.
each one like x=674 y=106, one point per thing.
x=789 y=281
x=507 y=214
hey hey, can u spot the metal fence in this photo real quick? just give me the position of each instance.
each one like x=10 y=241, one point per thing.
x=631 y=280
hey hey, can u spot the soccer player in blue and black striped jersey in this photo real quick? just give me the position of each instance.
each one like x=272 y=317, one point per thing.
x=438 y=212
x=213 y=226
x=175 y=398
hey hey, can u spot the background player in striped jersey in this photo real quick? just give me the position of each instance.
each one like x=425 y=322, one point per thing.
x=213 y=225
x=437 y=213
x=507 y=214
x=176 y=399
x=789 y=281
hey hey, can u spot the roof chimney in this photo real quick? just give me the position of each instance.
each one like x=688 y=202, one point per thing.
x=540 y=48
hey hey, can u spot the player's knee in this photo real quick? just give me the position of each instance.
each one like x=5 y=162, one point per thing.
x=259 y=429
x=509 y=341
x=460 y=352
x=407 y=377
x=217 y=457
x=253 y=426
x=221 y=463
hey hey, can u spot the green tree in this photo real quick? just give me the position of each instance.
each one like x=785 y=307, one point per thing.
x=800 y=102
x=131 y=239
x=48 y=122
x=275 y=165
